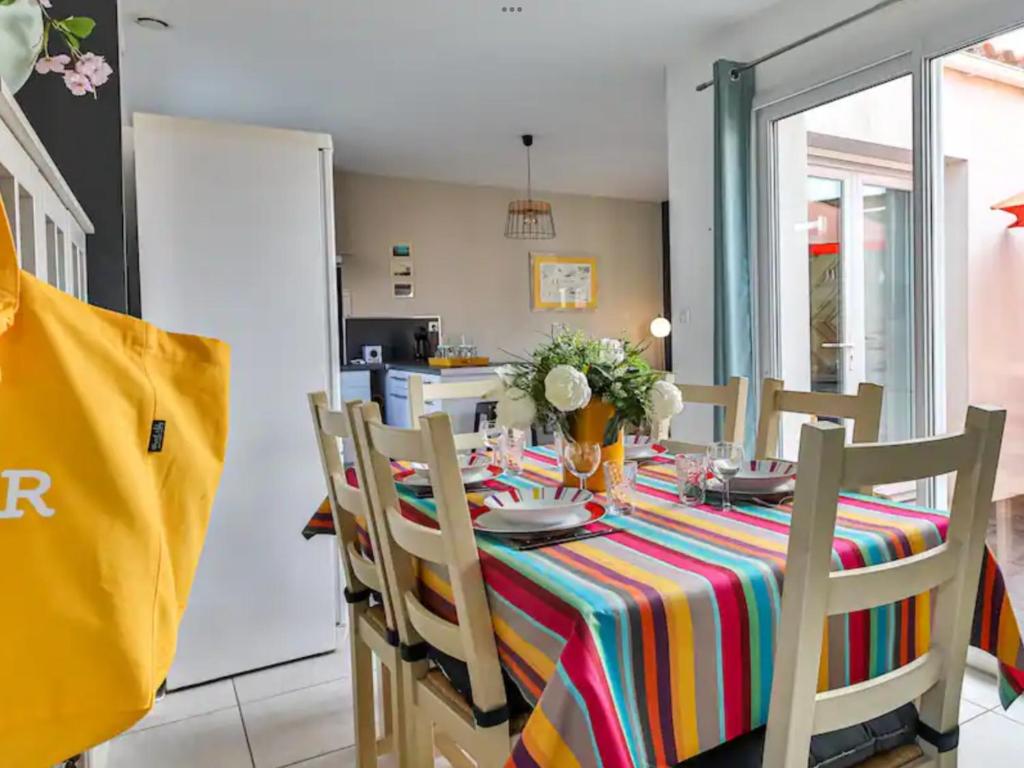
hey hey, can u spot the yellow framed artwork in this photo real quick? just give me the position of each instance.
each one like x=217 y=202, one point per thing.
x=562 y=283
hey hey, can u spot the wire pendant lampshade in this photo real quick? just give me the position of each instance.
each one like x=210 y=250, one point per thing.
x=529 y=219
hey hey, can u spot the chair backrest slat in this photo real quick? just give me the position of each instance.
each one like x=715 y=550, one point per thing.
x=472 y=638
x=862 y=588
x=811 y=592
x=865 y=701
x=420 y=393
x=910 y=460
x=731 y=398
x=864 y=409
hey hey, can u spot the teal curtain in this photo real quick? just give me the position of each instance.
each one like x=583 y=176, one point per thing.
x=734 y=322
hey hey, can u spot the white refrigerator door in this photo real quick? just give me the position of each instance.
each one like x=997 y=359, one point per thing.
x=232 y=244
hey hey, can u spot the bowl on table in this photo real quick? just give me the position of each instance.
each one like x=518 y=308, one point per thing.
x=760 y=477
x=537 y=510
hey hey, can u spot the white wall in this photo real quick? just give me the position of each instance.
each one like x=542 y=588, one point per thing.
x=478 y=280
x=928 y=25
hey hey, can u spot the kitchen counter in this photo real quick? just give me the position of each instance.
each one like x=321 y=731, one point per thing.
x=416 y=367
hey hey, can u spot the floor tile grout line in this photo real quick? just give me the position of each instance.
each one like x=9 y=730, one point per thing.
x=245 y=730
x=316 y=757
x=213 y=711
x=290 y=690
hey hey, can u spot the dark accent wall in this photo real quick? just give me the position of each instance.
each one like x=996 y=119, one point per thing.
x=83 y=135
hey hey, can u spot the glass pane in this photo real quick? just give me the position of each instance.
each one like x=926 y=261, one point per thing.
x=846 y=304
x=888 y=289
x=825 y=226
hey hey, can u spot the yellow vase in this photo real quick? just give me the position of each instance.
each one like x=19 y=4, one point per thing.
x=589 y=425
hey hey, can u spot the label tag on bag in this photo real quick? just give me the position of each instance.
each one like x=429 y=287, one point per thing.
x=156 y=436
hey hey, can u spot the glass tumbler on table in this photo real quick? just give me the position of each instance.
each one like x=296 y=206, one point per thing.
x=726 y=460
x=582 y=458
x=620 y=481
x=491 y=433
x=513 y=443
x=692 y=478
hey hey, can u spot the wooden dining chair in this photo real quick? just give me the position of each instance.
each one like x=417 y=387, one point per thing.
x=371 y=623
x=811 y=592
x=731 y=398
x=481 y=728
x=864 y=409
x=421 y=394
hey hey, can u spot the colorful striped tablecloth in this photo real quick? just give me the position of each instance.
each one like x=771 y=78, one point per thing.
x=651 y=645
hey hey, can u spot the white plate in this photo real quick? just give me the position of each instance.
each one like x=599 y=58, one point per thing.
x=469 y=477
x=469 y=464
x=538 y=500
x=520 y=523
x=763 y=476
x=640 y=447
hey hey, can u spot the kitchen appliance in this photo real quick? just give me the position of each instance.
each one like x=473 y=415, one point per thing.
x=372 y=353
x=262 y=594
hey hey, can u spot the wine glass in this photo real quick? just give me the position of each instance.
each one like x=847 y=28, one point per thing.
x=726 y=460
x=582 y=458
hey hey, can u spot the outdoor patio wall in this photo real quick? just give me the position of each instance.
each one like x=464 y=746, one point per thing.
x=479 y=281
x=887 y=33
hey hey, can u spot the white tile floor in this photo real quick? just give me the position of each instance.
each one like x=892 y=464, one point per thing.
x=299 y=716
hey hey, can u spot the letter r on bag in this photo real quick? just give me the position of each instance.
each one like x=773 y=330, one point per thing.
x=33 y=495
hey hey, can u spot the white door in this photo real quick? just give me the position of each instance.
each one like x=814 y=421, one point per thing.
x=233 y=244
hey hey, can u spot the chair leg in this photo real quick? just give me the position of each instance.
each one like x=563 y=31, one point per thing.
x=363 y=708
x=387 y=703
x=415 y=737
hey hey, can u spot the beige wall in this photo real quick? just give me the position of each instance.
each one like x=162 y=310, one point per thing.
x=478 y=281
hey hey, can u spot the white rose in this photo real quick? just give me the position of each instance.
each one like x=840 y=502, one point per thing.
x=611 y=352
x=516 y=409
x=666 y=400
x=566 y=388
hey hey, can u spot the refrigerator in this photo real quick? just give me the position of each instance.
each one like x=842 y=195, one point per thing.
x=236 y=241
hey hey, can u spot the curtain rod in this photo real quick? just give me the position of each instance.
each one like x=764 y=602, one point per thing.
x=802 y=41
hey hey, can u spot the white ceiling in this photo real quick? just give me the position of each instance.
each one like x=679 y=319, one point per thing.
x=437 y=89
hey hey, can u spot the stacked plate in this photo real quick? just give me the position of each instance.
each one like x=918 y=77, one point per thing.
x=532 y=511
x=475 y=468
x=766 y=477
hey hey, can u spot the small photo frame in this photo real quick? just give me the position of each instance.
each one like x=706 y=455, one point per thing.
x=403 y=290
x=401 y=251
x=401 y=268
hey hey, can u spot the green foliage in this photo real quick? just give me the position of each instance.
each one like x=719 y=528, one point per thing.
x=623 y=381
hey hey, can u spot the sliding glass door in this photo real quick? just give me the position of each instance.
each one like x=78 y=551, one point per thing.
x=839 y=306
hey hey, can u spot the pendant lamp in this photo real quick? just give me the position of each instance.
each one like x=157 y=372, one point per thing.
x=529 y=219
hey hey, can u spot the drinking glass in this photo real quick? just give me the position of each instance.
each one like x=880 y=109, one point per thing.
x=620 y=481
x=692 y=478
x=582 y=458
x=726 y=460
x=513 y=443
x=559 y=446
x=491 y=433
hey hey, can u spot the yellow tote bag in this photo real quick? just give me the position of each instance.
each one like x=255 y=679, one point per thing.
x=112 y=438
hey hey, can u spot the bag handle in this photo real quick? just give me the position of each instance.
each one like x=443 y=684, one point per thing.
x=9 y=274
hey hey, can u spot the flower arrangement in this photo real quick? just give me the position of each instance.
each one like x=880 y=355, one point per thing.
x=83 y=72
x=565 y=374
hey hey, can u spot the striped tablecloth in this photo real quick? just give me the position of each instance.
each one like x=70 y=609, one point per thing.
x=656 y=643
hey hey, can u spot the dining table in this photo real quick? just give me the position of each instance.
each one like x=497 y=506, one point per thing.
x=655 y=642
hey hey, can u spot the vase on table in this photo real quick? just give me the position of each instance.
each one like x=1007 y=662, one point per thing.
x=589 y=425
x=21 y=34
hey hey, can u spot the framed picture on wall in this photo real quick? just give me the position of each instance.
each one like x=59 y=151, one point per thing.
x=403 y=290
x=562 y=283
x=401 y=268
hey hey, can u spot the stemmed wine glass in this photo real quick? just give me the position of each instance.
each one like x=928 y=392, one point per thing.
x=725 y=459
x=582 y=458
